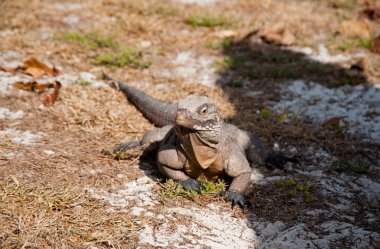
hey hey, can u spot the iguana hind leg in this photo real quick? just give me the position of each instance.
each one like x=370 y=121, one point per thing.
x=149 y=138
x=257 y=152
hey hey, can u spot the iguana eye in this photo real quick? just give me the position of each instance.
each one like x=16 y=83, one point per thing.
x=203 y=110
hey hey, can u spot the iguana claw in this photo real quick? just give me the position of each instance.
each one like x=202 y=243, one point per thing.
x=236 y=199
x=191 y=184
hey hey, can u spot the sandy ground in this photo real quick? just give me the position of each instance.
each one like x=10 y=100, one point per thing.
x=317 y=97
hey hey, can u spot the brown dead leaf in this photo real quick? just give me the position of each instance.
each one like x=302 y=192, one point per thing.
x=355 y=29
x=50 y=99
x=36 y=68
x=278 y=35
x=32 y=86
x=34 y=71
x=10 y=69
x=376 y=45
x=28 y=86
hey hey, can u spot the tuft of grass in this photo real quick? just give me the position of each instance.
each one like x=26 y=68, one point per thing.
x=265 y=114
x=170 y=189
x=220 y=44
x=254 y=73
x=352 y=43
x=343 y=166
x=128 y=57
x=294 y=188
x=85 y=83
x=207 y=20
x=122 y=154
x=282 y=58
x=232 y=63
x=93 y=40
x=211 y=187
x=165 y=11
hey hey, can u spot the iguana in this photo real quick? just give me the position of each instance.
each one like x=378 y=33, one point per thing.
x=194 y=142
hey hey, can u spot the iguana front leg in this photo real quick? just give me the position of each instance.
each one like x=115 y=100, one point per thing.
x=170 y=162
x=239 y=169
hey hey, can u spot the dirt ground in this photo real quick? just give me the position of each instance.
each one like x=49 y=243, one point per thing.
x=303 y=75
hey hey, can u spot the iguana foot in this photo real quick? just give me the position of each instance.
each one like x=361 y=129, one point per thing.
x=236 y=199
x=191 y=184
x=126 y=146
x=278 y=160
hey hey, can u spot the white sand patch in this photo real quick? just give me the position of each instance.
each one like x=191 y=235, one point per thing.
x=10 y=58
x=364 y=186
x=358 y=105
x=137 y=193
x=20 y=137
x=92 y=79
x=210 y=227
x=5 y=113
x=354 y=236
x=71 y=19
x=323 y=55
x=137 y=211
x=276 y=235
x=6 y=81
x=194 y=69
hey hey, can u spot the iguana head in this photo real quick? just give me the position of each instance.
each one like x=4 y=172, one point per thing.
x=198 y=114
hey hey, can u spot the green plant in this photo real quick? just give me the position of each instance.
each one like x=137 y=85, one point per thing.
x=265 y=113
x=211 y=187
x=357 y=42
x=93 y=40
x=85 y=83
x=171 y=189
x=233 y=63
x=126 y=57
x=220 y=44
x=294 y=188
x=207 y=20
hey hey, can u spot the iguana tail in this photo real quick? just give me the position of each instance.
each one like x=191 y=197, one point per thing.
x=156 y=111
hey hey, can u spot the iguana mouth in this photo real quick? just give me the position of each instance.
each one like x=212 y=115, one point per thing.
x=183 y=118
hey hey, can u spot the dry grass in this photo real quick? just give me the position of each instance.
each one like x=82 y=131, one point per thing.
x=46 y=205
x=57 y=217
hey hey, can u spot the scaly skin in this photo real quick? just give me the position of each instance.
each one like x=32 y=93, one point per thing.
x=157 y=112
x=194 y=142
